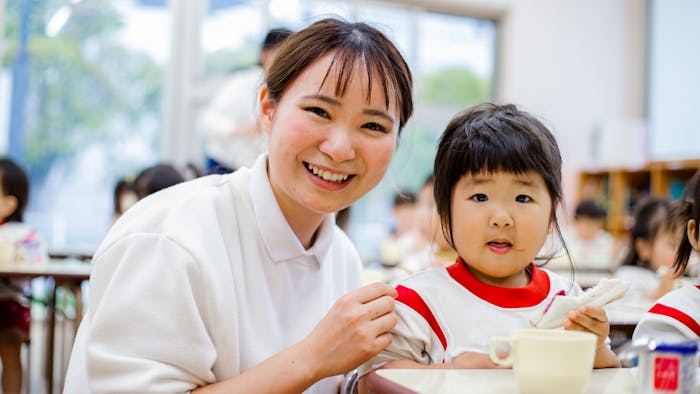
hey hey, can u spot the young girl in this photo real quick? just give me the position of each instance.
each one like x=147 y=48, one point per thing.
x=651 y=251
x=242 y=283
x=497 y=186
x=18 y=244
x=676 y=316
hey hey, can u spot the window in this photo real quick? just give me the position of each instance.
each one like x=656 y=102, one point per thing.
x=83 y=91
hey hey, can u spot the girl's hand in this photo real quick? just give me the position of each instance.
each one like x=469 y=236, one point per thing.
x=473 y=360
x=354 y=330
x=594 y=320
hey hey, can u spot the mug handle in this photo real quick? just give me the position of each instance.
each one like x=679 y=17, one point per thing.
x=493 y=344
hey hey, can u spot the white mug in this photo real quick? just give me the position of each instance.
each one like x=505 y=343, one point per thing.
x=548 y=361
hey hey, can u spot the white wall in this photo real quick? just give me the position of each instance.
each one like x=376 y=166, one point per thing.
x=577 y=64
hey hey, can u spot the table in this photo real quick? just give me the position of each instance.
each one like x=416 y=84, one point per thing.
x=60 y=273
x=487 y=381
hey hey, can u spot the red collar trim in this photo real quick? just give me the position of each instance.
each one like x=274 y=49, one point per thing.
x=532 y=294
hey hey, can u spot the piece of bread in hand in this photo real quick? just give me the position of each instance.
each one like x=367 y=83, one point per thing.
x=604 y=292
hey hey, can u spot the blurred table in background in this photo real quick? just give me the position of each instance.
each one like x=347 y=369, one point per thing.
x=64 y=273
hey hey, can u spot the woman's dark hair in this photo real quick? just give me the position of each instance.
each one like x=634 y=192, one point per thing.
x=14 y=183
x=493 y=138
x=352 y=44
x=688 y=208
x=651 y=216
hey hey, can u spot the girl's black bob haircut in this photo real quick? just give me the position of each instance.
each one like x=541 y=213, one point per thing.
x=490 y=138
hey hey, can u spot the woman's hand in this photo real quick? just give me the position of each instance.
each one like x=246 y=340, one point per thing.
x=594 y=320
x=354 y=330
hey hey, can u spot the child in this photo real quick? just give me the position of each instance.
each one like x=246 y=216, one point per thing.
x=590 y=245
x=676 y=316
x=19 y=244
x=497 y=187
x=651 y=251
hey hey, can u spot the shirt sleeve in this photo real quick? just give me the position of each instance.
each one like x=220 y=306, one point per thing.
x=411 y=339
x=148 y=320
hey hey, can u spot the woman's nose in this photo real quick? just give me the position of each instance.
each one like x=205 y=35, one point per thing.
x=338 y=145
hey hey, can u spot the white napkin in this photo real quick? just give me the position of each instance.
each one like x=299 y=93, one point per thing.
x=604 y=292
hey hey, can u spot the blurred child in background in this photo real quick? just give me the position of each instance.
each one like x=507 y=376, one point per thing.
x=19 y=244
x=590 y=246
x=156 y=178
x=676 y=316
x=439 y=251
x=651 y=251
x=404 y=238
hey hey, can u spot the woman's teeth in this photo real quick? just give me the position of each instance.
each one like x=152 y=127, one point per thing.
x=326 y=175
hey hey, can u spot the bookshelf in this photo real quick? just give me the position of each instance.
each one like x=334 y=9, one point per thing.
x=619 y=189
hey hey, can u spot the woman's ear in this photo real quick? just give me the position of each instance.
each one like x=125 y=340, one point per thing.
x=8 y=206
x=267 y=109
x=692 y=229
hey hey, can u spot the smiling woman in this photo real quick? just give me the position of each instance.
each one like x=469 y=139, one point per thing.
x=249 y=269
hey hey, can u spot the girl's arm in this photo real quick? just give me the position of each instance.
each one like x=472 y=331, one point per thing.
x=594 y=320
x=355 y=329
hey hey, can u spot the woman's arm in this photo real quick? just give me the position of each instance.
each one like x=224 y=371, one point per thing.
x=354 y=330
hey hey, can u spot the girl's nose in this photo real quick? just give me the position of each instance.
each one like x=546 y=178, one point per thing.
x=338 y=145
x=501 y=218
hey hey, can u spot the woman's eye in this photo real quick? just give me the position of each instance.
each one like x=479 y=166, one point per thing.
x=375 y=127
x=318 y=111
x=523 y=198
x=479 y=197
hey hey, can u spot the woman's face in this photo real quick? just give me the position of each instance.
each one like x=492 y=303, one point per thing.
x=326 y=151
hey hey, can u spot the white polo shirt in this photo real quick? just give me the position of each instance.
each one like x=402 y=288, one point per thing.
x=202 y=281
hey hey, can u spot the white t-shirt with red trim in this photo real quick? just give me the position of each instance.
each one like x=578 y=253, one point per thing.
x=445 y=312
x=674 y=318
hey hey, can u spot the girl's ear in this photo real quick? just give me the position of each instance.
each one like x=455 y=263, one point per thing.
x=692 y=230
x=267 y=109
x=643 y=247
x=8 y=206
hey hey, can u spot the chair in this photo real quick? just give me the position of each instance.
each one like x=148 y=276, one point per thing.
x=349 y=385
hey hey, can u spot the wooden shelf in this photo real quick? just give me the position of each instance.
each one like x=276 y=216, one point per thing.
x=619 y=189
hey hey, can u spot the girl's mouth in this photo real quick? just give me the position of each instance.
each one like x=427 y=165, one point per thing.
x=499 y=247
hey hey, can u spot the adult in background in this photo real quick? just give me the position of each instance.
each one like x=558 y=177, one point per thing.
x=242 y=282
x=228 y=124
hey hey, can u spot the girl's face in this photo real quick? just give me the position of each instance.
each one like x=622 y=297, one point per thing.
x=661 y=252
x=499 y=223
x=325 y=151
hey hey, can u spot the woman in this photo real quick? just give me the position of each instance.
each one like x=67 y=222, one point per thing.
x=242 y=283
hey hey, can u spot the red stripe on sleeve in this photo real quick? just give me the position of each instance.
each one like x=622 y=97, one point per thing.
x=676 y=314
x=414 y=301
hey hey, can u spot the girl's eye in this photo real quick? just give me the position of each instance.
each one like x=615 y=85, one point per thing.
x=318 y=111
x=479 y=197
x=375 y=127
x=523 y=198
